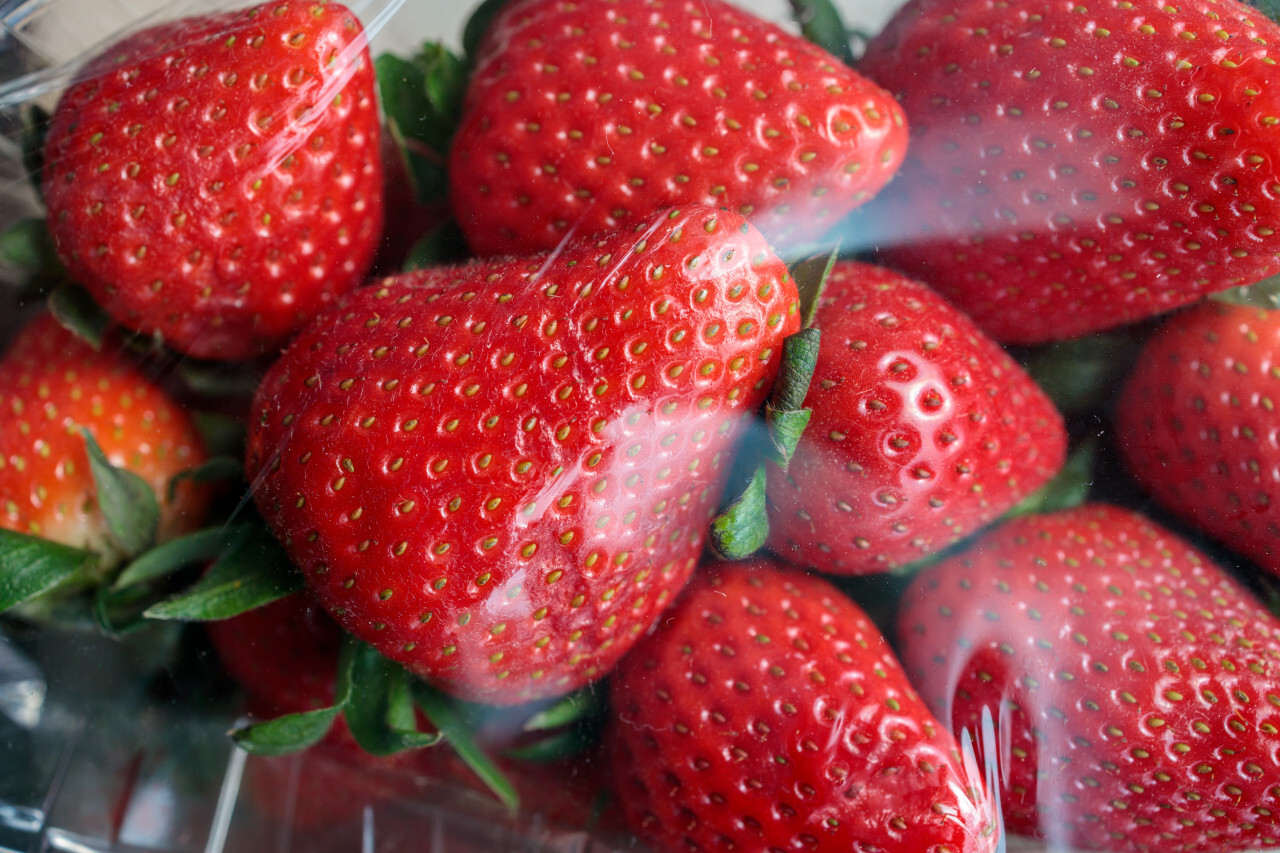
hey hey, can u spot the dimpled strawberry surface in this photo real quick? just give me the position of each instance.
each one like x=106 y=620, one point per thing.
x=584 y=117
x=1076 y=166
x=216 y=180
x=500 y=474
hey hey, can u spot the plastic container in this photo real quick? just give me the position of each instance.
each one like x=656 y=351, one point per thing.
x=121 y=742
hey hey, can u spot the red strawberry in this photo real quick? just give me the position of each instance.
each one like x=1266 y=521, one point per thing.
x=767 y=712
x=499 y=474
x=1196 y=424
x=1132 y=682
x=585 y=117
x=216 y=180
x=923 y=431
x=52 y=384
x=285 y=654
x=1074 y=168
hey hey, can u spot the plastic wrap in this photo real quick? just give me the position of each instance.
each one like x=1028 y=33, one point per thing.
x=628 y=425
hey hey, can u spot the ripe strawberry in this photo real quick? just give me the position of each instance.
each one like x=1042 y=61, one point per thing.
x=52 y=384
x=498 y=474
x=586 y=117
x=923 y=430
x=1074 y=168
x=1133 y=683
x=217 y=179
x=1195 y=424
x=767 y=712
x=284 y=653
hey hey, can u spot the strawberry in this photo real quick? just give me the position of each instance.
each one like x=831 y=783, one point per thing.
x=53 y=385
x=1195 y=424
x=923 y=430
x=1075 y=168
x=1132 y=682
x=767 y=712
x=586 y=117
x=499 y=474
x=216 y=180
x=284 y=653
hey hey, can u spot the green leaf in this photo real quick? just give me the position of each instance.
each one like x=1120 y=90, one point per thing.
x=477 y=25
x=445 y=82
x=567 y=711
x=422 y=100
x=380 y=713
x=295 y=732
x=28 y=247
x=218 y=379
x=444 y=716
x=811 y=276
x=252 y=572
x=1081 y=374
x=785 y=418
x=212 y=470
x=743 y=527
x=444 y=244
x=1264 y=294
x=120 y=612
x=200 y=547
x=1270 y=8
x=35 y=124
x=30 y=566
x=561 y=745
x=1069 y=488
x=127 y=502
x=821 y=24
x=223 y=435
x=74 y=309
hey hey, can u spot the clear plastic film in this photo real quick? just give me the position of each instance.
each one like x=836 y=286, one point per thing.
x=622 y=426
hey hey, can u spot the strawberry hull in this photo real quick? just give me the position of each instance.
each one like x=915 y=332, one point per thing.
x=499 y=474
x=1072 y=172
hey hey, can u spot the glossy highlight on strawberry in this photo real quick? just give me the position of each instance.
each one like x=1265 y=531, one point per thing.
x=499 y=474
x=1074 y=167
x=767 y=712
x=923 y=430
x=1132 y=683
x=583 y=117
x=216 y=180
x=1196 y=422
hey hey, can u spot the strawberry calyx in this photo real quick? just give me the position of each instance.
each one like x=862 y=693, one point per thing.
x=27 y=250
x=379 y=702
x=821 y=24
x=422 y=99
x=1080 y=374
x=1069 y=488
x=31 y=567
x=742 y=527
x=1264 y=294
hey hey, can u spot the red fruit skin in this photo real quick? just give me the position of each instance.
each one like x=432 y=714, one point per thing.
x=769 y=712
x=52 y=384
x=1132 y=683
x=1073 y=172
x=284 y=653
x=217 y=180
x=588 y=117
x=1195 y=424
x=499 y=474
x=923 y=430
